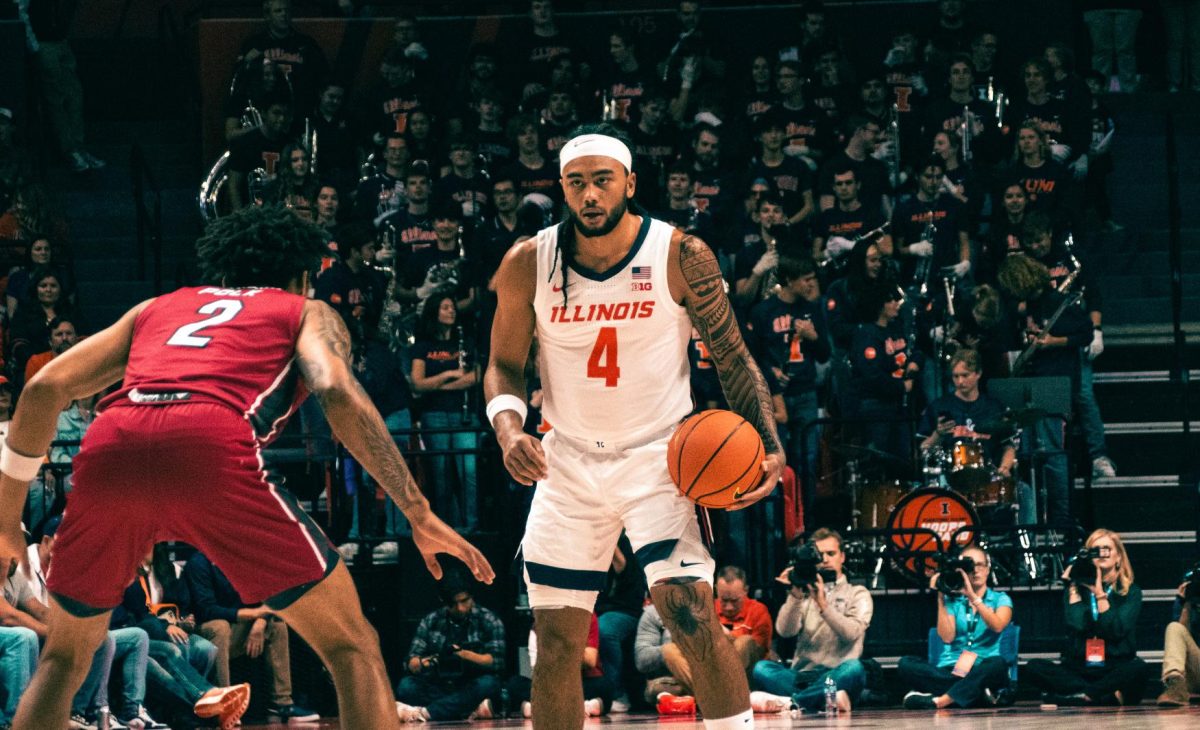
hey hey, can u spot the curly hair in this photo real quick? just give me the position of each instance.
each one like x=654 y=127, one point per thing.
x=268 y=246
x=1023 y=278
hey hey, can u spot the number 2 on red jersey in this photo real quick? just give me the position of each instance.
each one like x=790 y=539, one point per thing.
x=602 y=363
x=222 y=310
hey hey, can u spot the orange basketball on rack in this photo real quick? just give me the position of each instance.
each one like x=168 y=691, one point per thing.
x=715 y=457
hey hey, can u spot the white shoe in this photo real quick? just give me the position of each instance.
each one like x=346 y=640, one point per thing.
x=483 y=712
x=348 y=550
x=408 y=713
x=620 y=704
x=1103 y=468
x=386 y=552
x=767 y=703
x=527 y=709
x=593 y=707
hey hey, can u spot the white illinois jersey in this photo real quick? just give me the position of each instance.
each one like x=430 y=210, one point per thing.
x=613 y=358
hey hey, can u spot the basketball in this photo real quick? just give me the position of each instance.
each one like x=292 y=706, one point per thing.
x=714 y=457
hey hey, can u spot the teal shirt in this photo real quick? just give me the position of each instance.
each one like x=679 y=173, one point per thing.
x=972 y=634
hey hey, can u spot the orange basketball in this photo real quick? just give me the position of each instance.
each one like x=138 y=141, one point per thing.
x=714 y=457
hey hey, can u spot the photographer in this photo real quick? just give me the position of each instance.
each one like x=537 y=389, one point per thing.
x=1181 y=655
x=970 y=617
x=455 y=659
x=829 y=618
x=1100 y=665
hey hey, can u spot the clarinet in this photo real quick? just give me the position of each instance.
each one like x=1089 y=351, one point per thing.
x=966 y=134
x=925 y=265
x=462 y=365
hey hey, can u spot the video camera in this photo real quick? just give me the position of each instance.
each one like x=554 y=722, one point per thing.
x=805 y=560
x=949 y=580
x=1083 y=570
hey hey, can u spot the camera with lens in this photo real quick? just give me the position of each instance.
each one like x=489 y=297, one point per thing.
x=1191 y=591
x=949 y=580
x=1083 y=570
x=805 y=560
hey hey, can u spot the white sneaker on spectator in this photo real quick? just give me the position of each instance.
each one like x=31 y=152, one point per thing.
x=1103 y=468
x=768 y=703
x=79 y=722
x=386 y=552
x=527 y=709
x=408 y=713
x=593 y=707
x=483 y=712
x=620 y=704
x=348 y=550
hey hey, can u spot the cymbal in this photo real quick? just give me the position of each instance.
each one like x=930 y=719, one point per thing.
x=854 y=451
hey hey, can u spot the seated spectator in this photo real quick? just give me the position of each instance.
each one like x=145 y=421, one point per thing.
x=241 y=630
x=1181 y=655
x=41 y=253
x=26 y=605
x=829 y=621
x=658 y=659
x=30 y=214
x=970 y=668
x=179 y=659
x=63 y=337
x=295 y=184
x=597 y=690
x=1099 y=665
x=746 y=621
x=19 y=635
x=617 y=611
x=455 y=659
x=44 y=302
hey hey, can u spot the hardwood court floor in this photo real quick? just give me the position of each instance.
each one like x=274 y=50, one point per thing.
x=1019 y=717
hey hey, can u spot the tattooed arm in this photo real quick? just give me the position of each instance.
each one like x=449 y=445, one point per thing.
x=702 y=291
x=323 y=355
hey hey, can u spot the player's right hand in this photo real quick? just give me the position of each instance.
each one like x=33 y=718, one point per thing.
x=432 y=536
x=524 y=458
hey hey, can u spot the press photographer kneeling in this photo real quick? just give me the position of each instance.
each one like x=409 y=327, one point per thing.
x=970 y=617
x=829 y=618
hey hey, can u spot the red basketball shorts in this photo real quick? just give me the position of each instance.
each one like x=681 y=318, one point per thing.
x=190 y=472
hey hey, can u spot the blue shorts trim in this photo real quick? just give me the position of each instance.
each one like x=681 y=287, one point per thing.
x=655 y=551
x=567 y=578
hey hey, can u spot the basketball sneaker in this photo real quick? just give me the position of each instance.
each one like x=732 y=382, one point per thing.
x=919 y=701
x=593 y=707
x=79 y=722
x=669 y=704
x=483 y=712
x=290 y=713
x=228 y=704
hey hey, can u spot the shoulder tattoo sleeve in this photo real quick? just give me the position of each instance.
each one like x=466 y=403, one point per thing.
x=711 y=314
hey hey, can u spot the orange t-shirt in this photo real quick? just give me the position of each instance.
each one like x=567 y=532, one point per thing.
x=753 y=620
x=36 y=363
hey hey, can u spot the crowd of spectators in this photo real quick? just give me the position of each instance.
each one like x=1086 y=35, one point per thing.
x=891 y=233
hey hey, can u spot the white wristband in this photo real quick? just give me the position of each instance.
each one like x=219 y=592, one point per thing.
x=505 y=402
x=20 y=467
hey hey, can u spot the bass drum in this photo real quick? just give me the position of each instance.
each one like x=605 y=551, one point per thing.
x=940 y=511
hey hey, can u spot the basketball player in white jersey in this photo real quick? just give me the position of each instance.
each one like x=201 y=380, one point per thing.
x=612 y=296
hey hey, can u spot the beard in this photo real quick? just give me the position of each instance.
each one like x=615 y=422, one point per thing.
x=610 y=221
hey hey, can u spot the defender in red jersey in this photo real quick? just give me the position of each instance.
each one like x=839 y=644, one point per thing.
x=211 y=374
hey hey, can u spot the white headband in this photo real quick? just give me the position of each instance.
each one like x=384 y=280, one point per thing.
x=594 y=144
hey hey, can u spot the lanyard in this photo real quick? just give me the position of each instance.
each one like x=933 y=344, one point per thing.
x=1095 y=609
x=972 y=623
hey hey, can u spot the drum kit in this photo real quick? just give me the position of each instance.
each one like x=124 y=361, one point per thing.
x=959 y=496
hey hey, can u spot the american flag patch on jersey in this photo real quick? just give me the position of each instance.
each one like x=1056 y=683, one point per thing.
x=641 y=272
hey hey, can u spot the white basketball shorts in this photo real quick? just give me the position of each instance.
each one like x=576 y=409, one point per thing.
x=578 y=513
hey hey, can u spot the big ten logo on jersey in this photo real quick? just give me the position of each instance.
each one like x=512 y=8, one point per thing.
x=641 y=279
x=270 y=162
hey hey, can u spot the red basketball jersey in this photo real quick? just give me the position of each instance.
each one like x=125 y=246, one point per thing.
x=231 y=346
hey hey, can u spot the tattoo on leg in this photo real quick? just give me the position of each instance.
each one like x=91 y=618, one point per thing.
x=686 y=616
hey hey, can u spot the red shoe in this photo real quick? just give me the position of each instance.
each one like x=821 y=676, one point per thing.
x=669 y=704
x=226 y=703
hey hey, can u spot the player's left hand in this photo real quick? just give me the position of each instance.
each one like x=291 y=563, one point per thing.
x=772 y=467
x=432 y=536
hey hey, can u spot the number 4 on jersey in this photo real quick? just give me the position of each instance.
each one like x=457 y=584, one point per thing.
x=602 y=363
x=222 y=310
